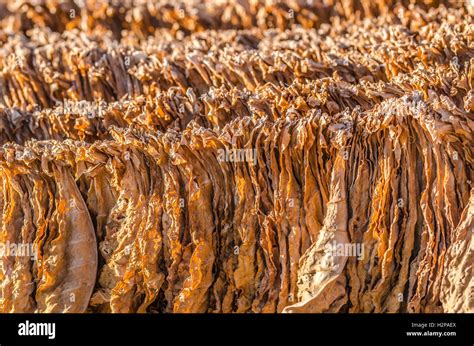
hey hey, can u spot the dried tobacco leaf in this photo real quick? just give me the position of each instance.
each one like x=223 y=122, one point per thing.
x=250 y=156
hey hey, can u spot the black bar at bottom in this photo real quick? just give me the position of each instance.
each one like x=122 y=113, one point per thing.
x=290 y=329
